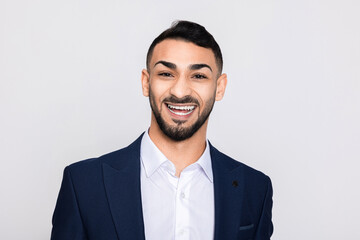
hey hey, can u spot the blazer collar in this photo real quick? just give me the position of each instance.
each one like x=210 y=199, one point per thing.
x=121 y=170
x=228 y=193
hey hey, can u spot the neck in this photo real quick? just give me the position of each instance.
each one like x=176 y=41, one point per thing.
x=180 y=153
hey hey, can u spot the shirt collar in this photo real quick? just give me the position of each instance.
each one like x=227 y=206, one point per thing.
x=152 y=158
x=205 y=162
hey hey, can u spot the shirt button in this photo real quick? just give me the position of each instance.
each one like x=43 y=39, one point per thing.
x=182 y=195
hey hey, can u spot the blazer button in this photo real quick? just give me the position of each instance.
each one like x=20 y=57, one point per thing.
x=235 y=183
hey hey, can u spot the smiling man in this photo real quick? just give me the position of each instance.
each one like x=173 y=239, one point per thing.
x=171 y=183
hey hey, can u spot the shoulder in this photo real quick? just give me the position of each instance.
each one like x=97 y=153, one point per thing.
x=118 y=159
x=247 y=173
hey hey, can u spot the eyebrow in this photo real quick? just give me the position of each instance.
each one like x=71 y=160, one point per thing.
x=199 y=66
x=191 y=67
x=166 y=64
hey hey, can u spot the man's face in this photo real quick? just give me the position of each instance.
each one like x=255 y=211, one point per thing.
x=182 y=84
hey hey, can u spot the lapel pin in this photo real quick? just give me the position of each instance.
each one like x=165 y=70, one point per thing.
x=235 y=183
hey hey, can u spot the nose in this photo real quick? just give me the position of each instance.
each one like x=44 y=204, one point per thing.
x=180 y=88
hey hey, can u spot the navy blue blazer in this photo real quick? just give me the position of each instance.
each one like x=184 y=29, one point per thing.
x=100 y=199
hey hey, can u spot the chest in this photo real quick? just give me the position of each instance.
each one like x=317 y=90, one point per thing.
x=177 y=208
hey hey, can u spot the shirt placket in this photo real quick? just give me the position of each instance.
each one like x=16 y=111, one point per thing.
x=182 y=213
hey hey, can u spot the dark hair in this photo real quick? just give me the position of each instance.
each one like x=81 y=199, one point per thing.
x=192 y=32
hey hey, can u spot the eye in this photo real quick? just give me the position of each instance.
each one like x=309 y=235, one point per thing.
x=165 y=74
x=199 y=76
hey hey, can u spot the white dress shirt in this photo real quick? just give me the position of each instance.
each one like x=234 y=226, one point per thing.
x=176 y=208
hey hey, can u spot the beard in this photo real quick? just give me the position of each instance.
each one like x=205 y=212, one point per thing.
x=179 y=132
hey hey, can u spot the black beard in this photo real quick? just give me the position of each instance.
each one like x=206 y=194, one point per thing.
x=179 y=132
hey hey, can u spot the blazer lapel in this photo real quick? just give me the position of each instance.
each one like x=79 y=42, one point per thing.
x=229 y=192
x=122 y=183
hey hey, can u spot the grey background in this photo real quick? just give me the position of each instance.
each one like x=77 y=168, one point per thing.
x=70 y=90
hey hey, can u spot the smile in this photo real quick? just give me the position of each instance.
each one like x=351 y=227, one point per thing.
x=180 y=110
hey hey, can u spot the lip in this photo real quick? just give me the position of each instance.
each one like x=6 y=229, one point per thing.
x=180 y=111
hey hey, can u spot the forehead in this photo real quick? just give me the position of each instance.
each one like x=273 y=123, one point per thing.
x=182 y=53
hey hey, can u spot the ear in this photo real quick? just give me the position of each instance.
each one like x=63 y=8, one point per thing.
x=145 y=82
x=221 y=86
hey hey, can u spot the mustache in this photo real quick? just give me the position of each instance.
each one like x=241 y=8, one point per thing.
x=186 y=99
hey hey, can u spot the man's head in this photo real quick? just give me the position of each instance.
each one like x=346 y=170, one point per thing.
x=183 y=79
x=189 y=32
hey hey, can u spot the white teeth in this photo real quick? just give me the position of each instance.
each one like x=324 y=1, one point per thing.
x=188 y=108
x=180 y=113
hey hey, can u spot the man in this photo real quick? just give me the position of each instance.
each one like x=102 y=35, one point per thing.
x=171 y=183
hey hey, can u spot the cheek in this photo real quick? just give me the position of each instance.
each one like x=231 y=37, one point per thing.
x=205 y=93
x=158 y=90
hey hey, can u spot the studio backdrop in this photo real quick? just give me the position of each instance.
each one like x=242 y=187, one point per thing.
x=70 y=90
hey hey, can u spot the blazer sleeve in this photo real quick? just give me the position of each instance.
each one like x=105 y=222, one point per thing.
x=66 y=221
x=265 y=227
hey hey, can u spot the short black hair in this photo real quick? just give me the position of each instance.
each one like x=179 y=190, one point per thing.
x=192 y=32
